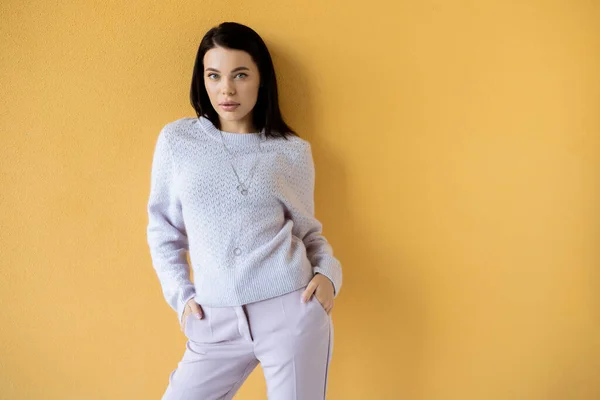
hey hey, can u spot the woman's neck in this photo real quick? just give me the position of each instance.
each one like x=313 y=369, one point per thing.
x=239 y=126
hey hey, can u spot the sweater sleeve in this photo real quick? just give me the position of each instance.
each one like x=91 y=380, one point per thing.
x=166 y=234
x=306 y=226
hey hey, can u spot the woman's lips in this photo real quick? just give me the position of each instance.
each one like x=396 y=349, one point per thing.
x=229 y=107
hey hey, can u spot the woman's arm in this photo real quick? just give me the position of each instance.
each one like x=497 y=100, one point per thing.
x=306 y=226
x=166 y=234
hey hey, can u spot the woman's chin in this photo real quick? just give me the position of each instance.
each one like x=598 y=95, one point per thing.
x=232 y=116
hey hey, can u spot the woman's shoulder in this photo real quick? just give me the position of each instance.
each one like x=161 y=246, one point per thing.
x=294 y=142
x=292 y=147
x=178 y=125
x=180 y=130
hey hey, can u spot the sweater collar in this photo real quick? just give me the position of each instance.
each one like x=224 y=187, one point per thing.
x=241 y=139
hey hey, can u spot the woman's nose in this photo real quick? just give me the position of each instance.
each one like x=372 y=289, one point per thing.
x=227 y=87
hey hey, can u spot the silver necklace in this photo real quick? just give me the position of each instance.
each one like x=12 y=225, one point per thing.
x=242 y=187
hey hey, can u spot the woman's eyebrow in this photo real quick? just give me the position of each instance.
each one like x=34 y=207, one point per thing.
x=233 y=70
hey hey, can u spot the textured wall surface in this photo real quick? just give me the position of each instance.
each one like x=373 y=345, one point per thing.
x=457 y=150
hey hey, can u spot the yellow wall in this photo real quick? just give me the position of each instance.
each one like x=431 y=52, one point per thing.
x=457 y=149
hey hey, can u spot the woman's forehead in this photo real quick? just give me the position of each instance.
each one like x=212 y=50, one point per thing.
x=225 y=60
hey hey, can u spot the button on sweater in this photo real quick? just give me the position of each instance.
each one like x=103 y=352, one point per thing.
x=242 y=247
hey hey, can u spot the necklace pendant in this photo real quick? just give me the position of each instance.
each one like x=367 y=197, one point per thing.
x=242 y=189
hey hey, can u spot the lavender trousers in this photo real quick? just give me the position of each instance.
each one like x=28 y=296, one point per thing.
x=292 y=341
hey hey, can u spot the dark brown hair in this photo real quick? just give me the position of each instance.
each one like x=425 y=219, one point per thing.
x=266 y=113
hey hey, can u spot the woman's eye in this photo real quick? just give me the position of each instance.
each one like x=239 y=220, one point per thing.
x=211 y=75
x=241 y=73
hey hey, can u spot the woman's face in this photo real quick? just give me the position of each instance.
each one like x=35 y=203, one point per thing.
x=231 y=76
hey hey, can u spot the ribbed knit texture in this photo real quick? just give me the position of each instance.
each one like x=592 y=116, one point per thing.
x=242 y=248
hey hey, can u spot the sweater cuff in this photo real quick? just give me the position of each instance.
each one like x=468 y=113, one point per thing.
x=184 y=298
x=334 y=274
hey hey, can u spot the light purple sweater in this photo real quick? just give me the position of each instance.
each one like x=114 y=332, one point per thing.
x=243 y=248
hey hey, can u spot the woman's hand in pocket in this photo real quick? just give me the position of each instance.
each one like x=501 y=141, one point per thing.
x=191 y=307
x=322 y=288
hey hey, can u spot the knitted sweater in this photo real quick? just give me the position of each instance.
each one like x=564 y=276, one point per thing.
x=242 y=248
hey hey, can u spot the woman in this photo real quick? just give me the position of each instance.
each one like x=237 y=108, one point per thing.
x=235 y=188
